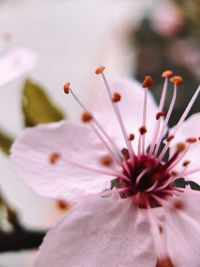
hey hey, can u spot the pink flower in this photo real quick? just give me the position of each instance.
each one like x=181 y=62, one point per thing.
x=133 y=212
x=15 y=63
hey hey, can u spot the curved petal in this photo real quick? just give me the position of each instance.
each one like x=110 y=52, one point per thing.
x=32 y=155
x=99 y=232
x=190 y=128
x=183 y=230
x=131 y=109
x=15 y=64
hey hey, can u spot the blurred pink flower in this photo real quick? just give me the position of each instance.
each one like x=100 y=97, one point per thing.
x=14 y=63
x=166 y=20
x=133 y=213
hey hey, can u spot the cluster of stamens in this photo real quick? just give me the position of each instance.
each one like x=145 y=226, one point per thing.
x=144 y=174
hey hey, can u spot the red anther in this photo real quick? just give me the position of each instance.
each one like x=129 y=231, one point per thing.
x=143 y=130
x=199 y=138
x=169 y=138
x=116 y=97
x=176 y=80
x=191 y=140
x=160 y=114
x=186 y=163
x=131 y=137
x=148 y=81
x=106 y=160
x=180 y=147
x=66 y=88
x=53 y=158
x=99 y=70
x=86 y=117
x=62 y=205
x=125 y=152
x=167 y=74
x=166 y=262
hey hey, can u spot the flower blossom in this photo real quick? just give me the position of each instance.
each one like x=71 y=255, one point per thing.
x=14 y=63
x=131 y=175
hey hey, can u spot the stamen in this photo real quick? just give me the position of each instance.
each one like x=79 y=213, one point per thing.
x=86 y=117
x=191 y=140
x=164 y=128
x=116 y=97
x=131 y=137
x=159 y=115
x=159 y=239
x=118 y=115
x=185 y=113
x=165 y=75
x=169 y=138
x=115 y=173
x=100 y=70
x=178 y=80
x=126 y=153
x=94 y=120
x=148 y=81
x=66 y=88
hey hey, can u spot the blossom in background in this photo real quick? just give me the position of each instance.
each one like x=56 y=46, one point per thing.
x=138 y=207
x=14 y=63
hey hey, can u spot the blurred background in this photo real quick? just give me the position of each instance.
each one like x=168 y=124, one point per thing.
x=43 y=44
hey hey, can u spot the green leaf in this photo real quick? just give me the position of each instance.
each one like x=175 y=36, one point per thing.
x=193 y=185
x=180 y=182
x=5 y=142
x=37 y=107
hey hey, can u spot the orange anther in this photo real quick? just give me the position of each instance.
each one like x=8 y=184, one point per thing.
x=66 y=88
x=116 y=97
x=148 y=81
x=86 y=117
x=167 y=74
x=176 y=80
x=99 y=70
x=186 y=163
x=54 y=157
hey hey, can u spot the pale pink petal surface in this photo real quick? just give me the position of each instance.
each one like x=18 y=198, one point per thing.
x=190 y=129
x=32 y=151
x=99 y=232
x=16 y=63
x=131 y=108
x=183 y=230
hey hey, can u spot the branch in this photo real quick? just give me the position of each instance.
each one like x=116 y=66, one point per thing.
x=20 y=240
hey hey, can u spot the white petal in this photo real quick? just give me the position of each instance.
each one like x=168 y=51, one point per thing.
x=15 y=64
x=101 y=233
x=190 y=128
x=32 y=151
x=183 y=231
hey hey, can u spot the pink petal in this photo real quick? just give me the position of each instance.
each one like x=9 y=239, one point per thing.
x=131 y=108
x=183 y=231
x=190 y=128
x=15 y=64
x=99 y=232
x=32 y=153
